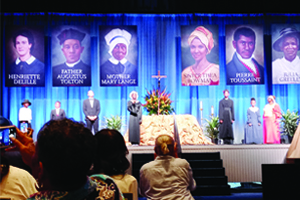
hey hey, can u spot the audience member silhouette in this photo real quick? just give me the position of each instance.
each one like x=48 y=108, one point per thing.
x=61 y=160
x=111 y=160
x=15 y=183
x=167 y=177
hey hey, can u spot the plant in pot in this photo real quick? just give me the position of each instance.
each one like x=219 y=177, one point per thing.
x=289 y=123
x=212 y=128
x=114 y=122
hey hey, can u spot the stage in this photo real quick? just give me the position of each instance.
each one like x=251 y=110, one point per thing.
x=242 y=163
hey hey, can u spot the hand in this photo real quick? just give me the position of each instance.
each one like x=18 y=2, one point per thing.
x=232 y=121
x=29 y=132
x=250 y=124
x=24 y=143
x=92 y=118
x=221 y=121
x=258 y=124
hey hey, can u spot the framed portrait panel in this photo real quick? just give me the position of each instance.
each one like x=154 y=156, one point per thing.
x=24 y=56
x=118 y=55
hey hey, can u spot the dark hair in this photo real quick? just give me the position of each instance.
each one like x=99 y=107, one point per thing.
x=245 y=31
x=111 y=153
x=26 y=33
x=252 y=99
x=226 y=90
x=66 y=149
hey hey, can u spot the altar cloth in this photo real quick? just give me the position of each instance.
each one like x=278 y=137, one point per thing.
x=152 y=126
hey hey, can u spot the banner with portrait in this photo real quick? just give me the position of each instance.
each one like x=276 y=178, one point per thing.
x=24 y=56
x=71 y=55
x=118 y=55
x=244 y=54
x=285 y=53
x=200 y=55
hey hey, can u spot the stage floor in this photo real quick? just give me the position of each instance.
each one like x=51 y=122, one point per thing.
x=242 y=163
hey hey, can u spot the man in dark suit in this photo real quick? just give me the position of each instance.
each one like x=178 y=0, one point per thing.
x=73 y=72
x=91 y=110
x=57 y=113
x=243 y=68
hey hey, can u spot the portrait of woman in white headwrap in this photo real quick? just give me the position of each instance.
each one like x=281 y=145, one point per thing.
x=202 y=72
x=118 y=70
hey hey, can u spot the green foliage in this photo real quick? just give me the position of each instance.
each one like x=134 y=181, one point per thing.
x=114 y=122
x=212 y=127
x=289 y=123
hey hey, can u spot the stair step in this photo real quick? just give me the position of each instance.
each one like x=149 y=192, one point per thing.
x=205 y=163
x=209 y=172
x=201 y=156
x=211 y=180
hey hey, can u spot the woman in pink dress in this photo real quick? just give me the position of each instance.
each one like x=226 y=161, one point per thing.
x=202 y=72
x=271 y=117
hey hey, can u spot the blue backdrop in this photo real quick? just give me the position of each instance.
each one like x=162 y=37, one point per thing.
x=159 y=49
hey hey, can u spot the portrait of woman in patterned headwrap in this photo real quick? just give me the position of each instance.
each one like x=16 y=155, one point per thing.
x=202 y=72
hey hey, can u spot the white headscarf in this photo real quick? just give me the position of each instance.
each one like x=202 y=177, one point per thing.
x=116 y=36
x=270 y=96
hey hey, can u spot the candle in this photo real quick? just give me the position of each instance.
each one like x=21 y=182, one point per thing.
x=212 y=110
x=200 y=104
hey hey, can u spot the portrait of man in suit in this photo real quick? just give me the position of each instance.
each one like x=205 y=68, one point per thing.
x=243 y=68
x=57 y=113
x=71 y=70
x=91 y=110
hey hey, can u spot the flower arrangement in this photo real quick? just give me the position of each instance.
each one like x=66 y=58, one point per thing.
x=158 y=102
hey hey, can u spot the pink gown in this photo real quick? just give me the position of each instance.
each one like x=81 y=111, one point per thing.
x=271 y=117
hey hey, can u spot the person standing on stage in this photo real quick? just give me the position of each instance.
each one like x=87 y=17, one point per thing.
x=271 y=125
x=91 y=110
x=25 y=115
x=57 y=113
x=226 y=117
x=135 y=119
x=253 y=129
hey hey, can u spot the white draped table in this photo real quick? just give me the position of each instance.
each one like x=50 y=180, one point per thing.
x=189 y=129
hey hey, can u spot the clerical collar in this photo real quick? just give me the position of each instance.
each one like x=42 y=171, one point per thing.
x=115 y=61
x=28 y=61
x=226 y=98
x=248 y=62
x=91 y=98
x=253 y=109
x=72 y=64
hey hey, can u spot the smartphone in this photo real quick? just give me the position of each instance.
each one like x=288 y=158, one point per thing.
x=24 y=126
x=5 y=133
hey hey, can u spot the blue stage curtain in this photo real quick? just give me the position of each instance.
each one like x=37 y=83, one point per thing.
x=158 y=49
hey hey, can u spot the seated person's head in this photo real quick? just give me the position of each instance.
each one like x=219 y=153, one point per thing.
x=111 y=153
x=64 y=151
x=165 y=145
